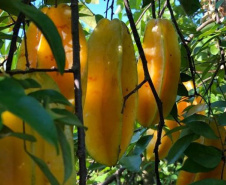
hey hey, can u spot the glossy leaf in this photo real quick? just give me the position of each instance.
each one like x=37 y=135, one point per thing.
x=45 y=169
x=65 y=117
x=179 y=147
x=206 y=156
x=202 y=128
x=14 y=99
x=193 y=167
x=141 y=144
x=66 y=151
x=50 y=94
x=132 y=163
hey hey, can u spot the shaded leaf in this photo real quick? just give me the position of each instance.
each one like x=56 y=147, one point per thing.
x=202 y=128
x=193 y=167
x=182 y=91
x=53 y=96
x=141 y=144
x=195 y=117
x=179 y=147
x=209 y=182
x=66 y=151
x=206 y=156
x=131 y=163
x=44 y=168
x=222 y=119
x=66 y=117
x=191 y=6
x=14 y=99
x=28 y=83
x=218 y=104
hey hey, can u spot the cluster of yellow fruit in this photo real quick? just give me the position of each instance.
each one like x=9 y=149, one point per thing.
x=109 y=58
x=109 y=71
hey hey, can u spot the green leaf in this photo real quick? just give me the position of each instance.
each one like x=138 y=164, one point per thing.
x=193 y=109
x=179 y=147
x=141 y=144
x=221 y=119
x=44 y=168
x=14 y=99
x=66 y=117
x=131 y=163
x=8 y=37
x=191 y=6
x=50 y=94
x=219 y=3
x=44 y=23
x=218 y=104
x=28 y=83
x=209 y=182
x=206 y=156
x=6 y=131
x=193 y=167
x=176 y=129
x=185 y=78
x=182 y=91
x=66 y=151
x=195 y=117
x=202 y=128
x=137 y=135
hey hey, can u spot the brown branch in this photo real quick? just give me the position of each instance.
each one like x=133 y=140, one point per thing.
x=131 y=93
x=33 y=70
x=78 y=91
x=12 y=49
x=142 y=14
x=190 y=59
x=153 y=9
x=16 y=29
x=113 y=177
x=149 y=80
x=163 y=10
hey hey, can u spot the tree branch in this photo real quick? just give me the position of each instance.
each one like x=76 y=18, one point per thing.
x=149 y=80
x=190 y=59
x=113 y=177
x=78 y=91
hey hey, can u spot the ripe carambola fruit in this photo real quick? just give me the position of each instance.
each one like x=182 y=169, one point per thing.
x=112 y=74
x=16 y=167
x=162 y=52
x=41 y=56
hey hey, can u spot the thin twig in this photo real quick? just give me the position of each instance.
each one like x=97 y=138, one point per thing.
x=14 y=40
x=149 y=80
x=132 y=92
x=142 y=14
x=78 y=91
x=163 y=10
x=34 y=70
x=113 y=177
